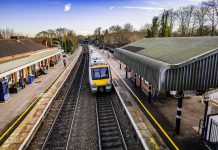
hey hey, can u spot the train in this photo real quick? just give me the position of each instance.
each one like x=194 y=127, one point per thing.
x=100 y=79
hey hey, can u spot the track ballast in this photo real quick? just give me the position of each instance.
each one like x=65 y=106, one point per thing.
x=109 y=131
x=59 y=133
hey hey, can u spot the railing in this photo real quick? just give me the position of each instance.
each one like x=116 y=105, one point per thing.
x=213 y=135
x=209 y=133
x=201 y=126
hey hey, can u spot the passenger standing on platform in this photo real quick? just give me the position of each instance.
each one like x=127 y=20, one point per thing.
x=155 y=96
x=64 y=61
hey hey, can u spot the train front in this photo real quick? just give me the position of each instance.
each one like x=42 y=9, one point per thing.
x=100 y=78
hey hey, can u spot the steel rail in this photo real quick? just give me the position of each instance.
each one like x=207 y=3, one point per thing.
x=62 y=104
x=109 y=131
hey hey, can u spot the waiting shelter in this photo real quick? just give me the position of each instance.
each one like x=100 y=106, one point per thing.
x=175 y=64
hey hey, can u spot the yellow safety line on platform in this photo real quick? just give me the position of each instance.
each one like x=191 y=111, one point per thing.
x=148 y=112
x=28 y=108
x=25 y=111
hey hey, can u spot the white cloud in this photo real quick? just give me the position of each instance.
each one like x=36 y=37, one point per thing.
x=112 y=7
x=67 y=7
x=195 y=1
x=144 y=8
x=153 y=3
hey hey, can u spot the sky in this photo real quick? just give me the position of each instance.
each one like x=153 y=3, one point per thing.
x=83 y=16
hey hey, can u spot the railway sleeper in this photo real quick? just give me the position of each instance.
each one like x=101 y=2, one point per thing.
x=117 y=144
x=112 y=133
x=110 y=139
x=103 y=110
x=106 y=114
x=100 y=107
x=108 y=129
x=106 y=121
x=106 y=117
x=107 y=125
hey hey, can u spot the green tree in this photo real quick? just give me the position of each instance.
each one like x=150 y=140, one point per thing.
x=154 y=27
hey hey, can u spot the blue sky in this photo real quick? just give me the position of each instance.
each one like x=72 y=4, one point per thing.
x=82 y=16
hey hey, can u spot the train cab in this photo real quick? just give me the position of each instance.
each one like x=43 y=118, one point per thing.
x=99 y=74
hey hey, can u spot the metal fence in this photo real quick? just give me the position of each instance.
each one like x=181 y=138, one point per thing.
x=213 y=135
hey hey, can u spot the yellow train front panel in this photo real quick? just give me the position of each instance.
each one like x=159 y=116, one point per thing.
x=100 y=82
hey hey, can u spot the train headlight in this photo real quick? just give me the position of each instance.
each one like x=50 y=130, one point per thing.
x=93 y=85
x=108 y=83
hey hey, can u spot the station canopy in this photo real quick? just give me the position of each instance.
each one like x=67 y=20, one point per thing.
x=174 y=64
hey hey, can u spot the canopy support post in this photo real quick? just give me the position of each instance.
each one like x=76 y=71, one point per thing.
x=179 y=111
x=120 y=64
x=149 y=92
x=126 y=72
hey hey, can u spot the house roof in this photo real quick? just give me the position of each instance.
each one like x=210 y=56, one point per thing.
x=12 y=47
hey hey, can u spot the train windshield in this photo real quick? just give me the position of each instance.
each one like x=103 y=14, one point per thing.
x=100 y=73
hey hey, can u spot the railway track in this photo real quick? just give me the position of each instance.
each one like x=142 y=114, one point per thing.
x=59 y=133
x=109 y=132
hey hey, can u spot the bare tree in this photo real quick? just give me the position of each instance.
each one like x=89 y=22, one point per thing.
x=184 y=16
x=61 y=32
x=211 y=7
x=200 y=14
x=172 y=19
x=97 y=31
x=128 y=27
x=7 y=33
x=145 y=30
x=115 y=29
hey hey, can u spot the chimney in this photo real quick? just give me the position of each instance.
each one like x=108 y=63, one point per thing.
x=45 y=43
x=14 y=37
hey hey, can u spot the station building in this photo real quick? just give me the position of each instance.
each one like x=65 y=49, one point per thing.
x=22 y=60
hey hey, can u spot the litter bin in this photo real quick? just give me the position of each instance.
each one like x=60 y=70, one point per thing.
x=4 y=90
x=30 y=79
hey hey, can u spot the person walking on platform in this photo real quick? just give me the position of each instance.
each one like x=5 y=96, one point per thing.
x=64 y=61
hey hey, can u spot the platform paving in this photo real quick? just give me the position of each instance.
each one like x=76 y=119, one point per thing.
x=149 y=135
x=164 y=110
x=16 y=104
x=22 y=135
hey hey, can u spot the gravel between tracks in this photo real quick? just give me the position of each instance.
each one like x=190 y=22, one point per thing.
x=84 y=134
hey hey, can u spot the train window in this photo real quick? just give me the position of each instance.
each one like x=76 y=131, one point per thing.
x=100 y=73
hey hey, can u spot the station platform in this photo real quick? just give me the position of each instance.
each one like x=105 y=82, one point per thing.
x=43 y=90
x=149 y=135
x=162 y=113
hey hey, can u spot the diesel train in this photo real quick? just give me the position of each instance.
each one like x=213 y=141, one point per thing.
x=99 y=72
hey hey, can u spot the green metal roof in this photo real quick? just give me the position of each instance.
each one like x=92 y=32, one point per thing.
x=173 y=64
x=175 y=50
x=8 y=66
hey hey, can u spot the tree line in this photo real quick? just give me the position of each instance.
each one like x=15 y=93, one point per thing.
x=116 y=35
x=60 y=37
x=191 y=20
x=63 y=37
